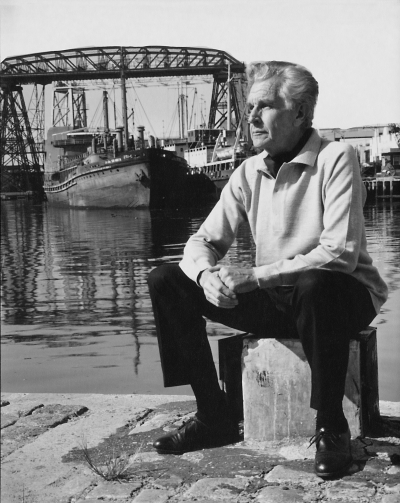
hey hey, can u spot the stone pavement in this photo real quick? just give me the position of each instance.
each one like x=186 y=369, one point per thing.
x=44 y=437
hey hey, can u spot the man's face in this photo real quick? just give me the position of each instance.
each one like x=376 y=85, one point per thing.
x=274 y=127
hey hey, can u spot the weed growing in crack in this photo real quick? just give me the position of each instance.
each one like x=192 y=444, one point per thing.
x=114 y=468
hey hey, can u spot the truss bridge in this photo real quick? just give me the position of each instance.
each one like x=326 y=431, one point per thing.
x=22 y=127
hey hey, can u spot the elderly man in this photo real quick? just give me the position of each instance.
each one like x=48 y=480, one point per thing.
x=302 y=197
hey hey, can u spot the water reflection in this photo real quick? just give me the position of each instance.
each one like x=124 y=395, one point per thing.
x=383 y=234
x=76 y=313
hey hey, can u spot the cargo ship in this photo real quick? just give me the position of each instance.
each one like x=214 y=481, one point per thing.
x=142 y=176
x=107 y=169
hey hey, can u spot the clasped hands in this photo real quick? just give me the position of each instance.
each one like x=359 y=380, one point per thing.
x=221 y=284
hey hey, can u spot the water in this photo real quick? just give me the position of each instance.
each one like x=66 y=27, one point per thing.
x=75 y=310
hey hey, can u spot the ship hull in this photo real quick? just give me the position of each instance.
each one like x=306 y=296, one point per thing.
x=106 y=187
x=151 y=178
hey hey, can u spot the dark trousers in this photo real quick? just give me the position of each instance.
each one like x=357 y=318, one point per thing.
x=323 y=309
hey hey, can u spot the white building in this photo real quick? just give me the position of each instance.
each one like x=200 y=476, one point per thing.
x=376 y=145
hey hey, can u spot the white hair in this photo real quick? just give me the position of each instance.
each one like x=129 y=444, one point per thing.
x=296 y=85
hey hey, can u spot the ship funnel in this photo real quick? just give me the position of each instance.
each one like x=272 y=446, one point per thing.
x=119 y=138
x=141 y=135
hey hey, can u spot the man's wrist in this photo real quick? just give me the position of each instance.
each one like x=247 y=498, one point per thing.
x=199 y=277
x=256 y=277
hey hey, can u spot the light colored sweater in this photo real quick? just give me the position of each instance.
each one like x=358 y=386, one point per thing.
x=310 y=216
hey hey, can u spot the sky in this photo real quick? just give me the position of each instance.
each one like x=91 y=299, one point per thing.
x=352 y=47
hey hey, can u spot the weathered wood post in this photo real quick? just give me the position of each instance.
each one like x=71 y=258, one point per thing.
x=276 y=386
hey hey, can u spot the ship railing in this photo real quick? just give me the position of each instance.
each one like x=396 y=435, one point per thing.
x=219 y=166
x=61 y=186
x=72 y=161
x=215 y=169
x=69 y=141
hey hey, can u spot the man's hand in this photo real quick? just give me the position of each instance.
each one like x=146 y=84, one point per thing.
x=238 y=279
x=221 y=284
x=214 y=289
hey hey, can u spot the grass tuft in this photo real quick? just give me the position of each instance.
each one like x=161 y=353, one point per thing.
x=115 y=467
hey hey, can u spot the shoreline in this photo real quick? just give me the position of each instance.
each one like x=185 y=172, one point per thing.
x=42 y=437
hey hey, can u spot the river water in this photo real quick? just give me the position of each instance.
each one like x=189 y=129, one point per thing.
x=75 y=311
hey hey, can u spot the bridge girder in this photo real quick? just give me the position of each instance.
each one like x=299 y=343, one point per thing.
x=108 y=62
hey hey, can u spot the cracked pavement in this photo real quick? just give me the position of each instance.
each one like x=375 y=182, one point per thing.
x=42 y=460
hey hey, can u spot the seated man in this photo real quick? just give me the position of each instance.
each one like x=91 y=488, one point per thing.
x=302 y=197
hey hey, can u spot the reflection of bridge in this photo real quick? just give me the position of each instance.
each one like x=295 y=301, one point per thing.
x=22 y=128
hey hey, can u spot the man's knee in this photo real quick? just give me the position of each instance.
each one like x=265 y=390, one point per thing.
x=169 y=280
x=162 y=275
x=318 y=285
x=314 y=279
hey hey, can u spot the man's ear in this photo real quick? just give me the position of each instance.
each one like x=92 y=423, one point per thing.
x=301 y=115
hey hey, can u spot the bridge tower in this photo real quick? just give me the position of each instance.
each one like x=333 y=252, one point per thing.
x=19 y=161
x=69 y=106
x=227 y=94
x=36 y=113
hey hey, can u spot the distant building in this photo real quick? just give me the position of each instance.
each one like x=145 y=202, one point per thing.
x=375 y=145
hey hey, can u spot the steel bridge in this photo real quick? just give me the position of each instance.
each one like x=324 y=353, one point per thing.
x=22 y=128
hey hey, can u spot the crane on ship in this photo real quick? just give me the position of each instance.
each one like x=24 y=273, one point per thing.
x=22 y=127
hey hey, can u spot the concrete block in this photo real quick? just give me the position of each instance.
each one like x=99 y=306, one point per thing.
x=217 y=489
x=275 y=494
x=114 y=490
x=276 y=380
x=285 y=475
x=152 y=496
x=8 y=420
x=350 y=491
x=390 y=498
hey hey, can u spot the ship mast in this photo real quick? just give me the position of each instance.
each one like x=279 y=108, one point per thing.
x=181 y=110
x=123 y=99
x=105 y=112
x=228 y=99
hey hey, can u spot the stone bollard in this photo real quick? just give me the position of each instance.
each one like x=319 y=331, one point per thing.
x=275 y=386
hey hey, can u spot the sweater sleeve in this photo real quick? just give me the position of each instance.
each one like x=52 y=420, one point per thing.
x=217 y=233
x=339 y=244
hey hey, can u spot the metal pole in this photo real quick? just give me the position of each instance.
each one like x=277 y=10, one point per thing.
x=187 y=112
x=105 y=112
x=84 y=109
x=183 y=113
x=71 y=118
x=123 y=97
x=179 y=111
x=115 y=112
x=228 y=104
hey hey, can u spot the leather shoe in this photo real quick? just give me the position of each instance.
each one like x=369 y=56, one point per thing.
x=333 y=457
x=194 y=435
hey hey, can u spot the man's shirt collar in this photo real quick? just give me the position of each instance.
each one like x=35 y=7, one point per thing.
x=307 y=155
